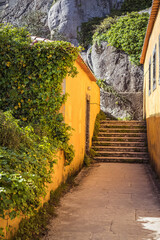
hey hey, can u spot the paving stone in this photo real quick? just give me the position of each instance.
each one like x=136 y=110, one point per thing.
x=114 y=201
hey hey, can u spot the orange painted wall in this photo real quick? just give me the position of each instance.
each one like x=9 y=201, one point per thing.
x=74 y=110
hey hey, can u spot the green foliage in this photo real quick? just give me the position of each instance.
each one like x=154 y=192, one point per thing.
x=135 y=5
x=105 y=25
x=101 y=83
x=127 y=34
x=68 y=153
x=26 y=162
x=31 y=79
x=100 y=116
x=87 y=30
x=36 y=225
x=87 y=160
x=92 y=153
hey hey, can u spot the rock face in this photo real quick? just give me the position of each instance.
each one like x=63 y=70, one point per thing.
x=108 y=63
x=13 y=10
x=114 y=66
x=66 y=16
x=123 y=106
x=125 y=79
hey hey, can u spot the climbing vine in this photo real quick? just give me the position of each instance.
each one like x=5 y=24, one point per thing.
x=31 y=127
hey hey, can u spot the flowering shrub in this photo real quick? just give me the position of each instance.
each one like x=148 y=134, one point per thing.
x=31 y=127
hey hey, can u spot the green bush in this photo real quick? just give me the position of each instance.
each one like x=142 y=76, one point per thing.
x=87 y=30
x=100 y=116
x=105 y=25
x=87 y=160
x=135 y=5
x=31 y=127
x=26 y=162
x=127 y=34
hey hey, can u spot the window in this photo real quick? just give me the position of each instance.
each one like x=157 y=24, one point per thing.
x=149 y=76
x=154 y=68
x=2 y=2
x=159 y=58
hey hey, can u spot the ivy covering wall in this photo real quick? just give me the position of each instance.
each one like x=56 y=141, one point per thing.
x=31 y=127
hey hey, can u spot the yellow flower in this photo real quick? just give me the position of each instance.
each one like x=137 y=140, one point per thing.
x=8 y=64
x=49 y=56
x=24 y=64
x=24 y=119
x=19 y=87
x=22 y=100
x=29 y=100
x=16 y=107
x=22 y=92
x=29 y=76
x=19 y=105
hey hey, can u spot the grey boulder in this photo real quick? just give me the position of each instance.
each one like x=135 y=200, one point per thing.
x=66 y=16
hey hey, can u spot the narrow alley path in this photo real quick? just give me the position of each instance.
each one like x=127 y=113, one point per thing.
x=114 y=201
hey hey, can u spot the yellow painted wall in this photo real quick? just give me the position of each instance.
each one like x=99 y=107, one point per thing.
x=78 y=88
x=152 y=102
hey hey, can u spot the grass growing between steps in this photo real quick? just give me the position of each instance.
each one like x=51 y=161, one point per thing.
x=100 y=116
x=36 y=226
x=88 y=157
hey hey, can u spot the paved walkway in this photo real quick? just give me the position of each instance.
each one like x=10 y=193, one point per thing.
x=114 y=201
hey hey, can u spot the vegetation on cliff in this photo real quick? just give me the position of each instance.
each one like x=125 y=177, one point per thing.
x=126 y=34
x=123 y=30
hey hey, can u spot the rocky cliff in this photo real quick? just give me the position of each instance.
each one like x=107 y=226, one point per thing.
x=13 y=10
x=66 y=16
x=114 y=67
x=122 y=95
x=107 y=62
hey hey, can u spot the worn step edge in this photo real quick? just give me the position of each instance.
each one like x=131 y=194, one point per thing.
x=122 y=160
x=125 y=158
x=121 y=129
x=115 y=133
x=120 y=147
x=121 y=121
x=131 y=153
x=127 y=138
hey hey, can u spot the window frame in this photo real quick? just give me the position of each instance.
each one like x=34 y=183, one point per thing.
x=149 y=86
x=159 y=58
x=154 y=57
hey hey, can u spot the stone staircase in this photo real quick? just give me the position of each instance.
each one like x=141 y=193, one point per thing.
x=121 y=141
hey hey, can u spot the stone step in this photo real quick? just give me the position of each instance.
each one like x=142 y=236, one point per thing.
x=120 y=148
x=122 y=139
x=122 y=134
x=124 y=122
x=110 y=126
x=123 y=144
x=128 y=130
x=123 y=159
x=121 y=154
